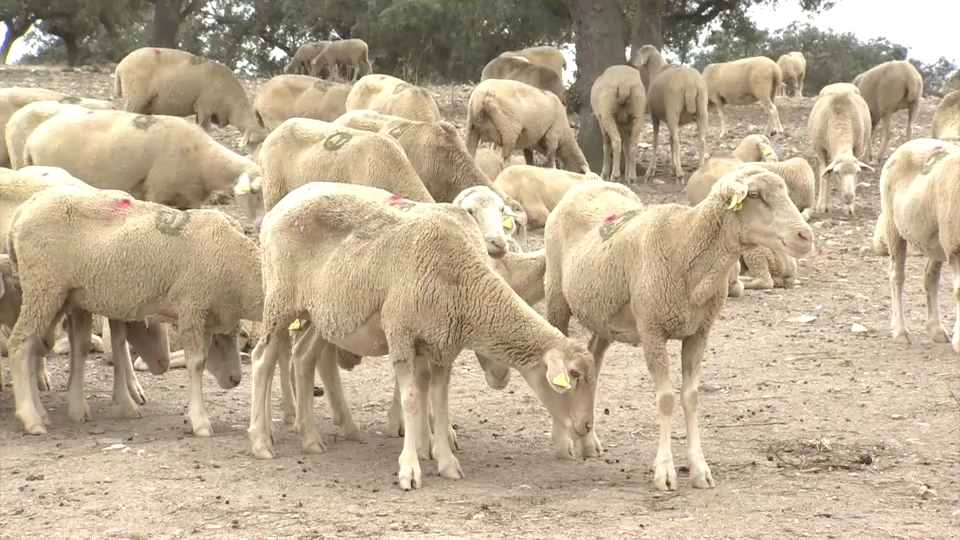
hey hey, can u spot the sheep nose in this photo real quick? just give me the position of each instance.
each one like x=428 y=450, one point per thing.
x=235 y=379
x=497 y=247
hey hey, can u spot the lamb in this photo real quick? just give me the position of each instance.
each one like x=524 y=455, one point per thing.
x=756 y=148
x=545 y=55
x=300 y=63
x=159 y=158
x=644 y=274
x=920 y=199
x=618 y=101
x=517 y=115
x=793 y=65
x=538 y=190
x=14 y=98
x=946 y=119
x=299 y=96
x=887 y=88
x=742 y=82
x=348 y=52
x=205 y=275
x=839 y=130
x=676 y=95
x=519 y=68
x=490 y=163
x=398 y=317
x=839 y=88
x=154 y=80
x=390 y=95
x=23 y=122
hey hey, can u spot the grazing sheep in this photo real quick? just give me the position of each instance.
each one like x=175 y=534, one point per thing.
x=14 y=98
x=887 y=88
x=793 y=65
x=23 y=122
x=946 y=120
x=839 y=130
x=490 y=162
x=342 y=237
x=517 y=115
x=618 y=101
x=538 y=190
x=755 y=148
x=839 y=88
x=920 y=202
x=159 y=158
x=204 y=273
x=518 y=68
x=742 y=82
x=676 y=95
x=299 y=96
x=153 y=80
x=644 y=275
x=352 y=53
x=545 y=55
x=390 y=95
x=300 y=64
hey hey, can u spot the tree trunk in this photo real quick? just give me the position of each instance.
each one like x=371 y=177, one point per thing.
x=648 y=28
x=16 y=29
x=73 y=48
x=599 y=40
x=166 y=23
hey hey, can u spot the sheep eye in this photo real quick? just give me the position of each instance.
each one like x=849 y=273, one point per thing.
x=753 y=194
x=574 y=374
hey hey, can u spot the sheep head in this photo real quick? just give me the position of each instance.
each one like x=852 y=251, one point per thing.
x=491 y=215
x=768 y=218
x=223 y=358
x=571 y=371
x=847 y=168
x=249 y=196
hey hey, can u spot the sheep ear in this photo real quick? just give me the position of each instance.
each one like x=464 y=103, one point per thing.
x=865 y=166
x=829 y=169
x=735 y=200
x=557 y=371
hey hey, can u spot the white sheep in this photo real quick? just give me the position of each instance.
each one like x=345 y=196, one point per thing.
x=644 y=275
x=793 y=65
x=491 y=164
x=131 y=260
x=755 y=148
x=544 y=55
x=517 y=115
x=618 y=101
x=519 y=68
x=154 y=80
x=300 y=61
x=538 y=189
x=157 y=158
x=839 y=128
x=342 y=236
x=920 y=202
x=742 y=82
x=353 y=53
x=300 y=96
x=887 y=88
x=390 y=95
x=23 y=122
x=676 y=95
x=946 y=119
x=838 y=88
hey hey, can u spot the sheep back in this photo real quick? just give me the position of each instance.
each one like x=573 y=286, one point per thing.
x=946 y=119
x=743 y=81
x=390 y=95
x=519 y=68
x=301 y=96
x=889 y=87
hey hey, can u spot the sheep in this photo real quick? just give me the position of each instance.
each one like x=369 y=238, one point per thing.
x=14 y=98
x=618 y=101
x=343 y=235
x=519 y=68
x=756 y=148
x=793 y=65
x=946 y=119
x=390 y=95
x=887 y=88
x=538 y=190
x=839 y=88
x=23 y=122
x=159 y=158
x=490 y=163
x=545 y=55
x=919 y=198
x=153 y=80
x=643 y=275
x=348 y=52
x=205 y=273
x=742 y=82
x=676 y=95
x=517 y=115
x=299 y=96
x=300 y=63
x=839 y=130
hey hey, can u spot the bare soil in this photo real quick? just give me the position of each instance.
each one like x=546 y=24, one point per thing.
x=811 y=430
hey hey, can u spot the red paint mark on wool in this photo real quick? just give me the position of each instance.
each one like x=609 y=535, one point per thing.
x=122 y=204
x=45 y=174
x=156 y=52
x=609 y=219
x=395 y=198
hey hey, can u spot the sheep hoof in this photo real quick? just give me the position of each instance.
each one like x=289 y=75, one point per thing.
x=590 y=446
x=903 y=338
x=80 y=414
x=848 y=210
x=130 y=410
x=939 y=335
x=263 y=452
x=202 y=428
x=409 y=475
x=33 y=424
x=350 y=433
x=136 y=392
x=313 y=445
x=449 y=468
x=665 y=477
x=43 y=381
x=564 y=450
x=700 y=476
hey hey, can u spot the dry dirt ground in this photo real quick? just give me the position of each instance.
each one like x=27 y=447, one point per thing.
x=811 y=430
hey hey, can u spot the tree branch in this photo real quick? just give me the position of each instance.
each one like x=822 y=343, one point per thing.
x=190 y=8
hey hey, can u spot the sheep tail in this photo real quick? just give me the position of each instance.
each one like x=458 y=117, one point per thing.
x=775 y=84
x=913 y=92
x=690 y=98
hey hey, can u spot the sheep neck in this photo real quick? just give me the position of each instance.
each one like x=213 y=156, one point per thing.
x=712 y=234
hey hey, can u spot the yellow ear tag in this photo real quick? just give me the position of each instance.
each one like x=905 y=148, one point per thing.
x=767 y=151
x=240 y=143
x=295 y=325
x=561 y=380
x=508 y=223
x=244 y=188
x=735 y=203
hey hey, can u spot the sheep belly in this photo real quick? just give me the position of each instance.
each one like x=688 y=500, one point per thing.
x=917 y=222
x=368 y=339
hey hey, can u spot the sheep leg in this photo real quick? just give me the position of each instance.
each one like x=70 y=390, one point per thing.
x=305 y=359
x=931 y=286
x=885 y=141
x=473 y=140
x=590 y=444
x=340 y=410
x=823 y=181
x=612 y=149
x=652 y=164
x=655 y=353
x=955 y=266
x=898 y=258
x=734 y=285
x=395 y=427
x=264 y=361
x=287 y=391
x=691 y=354
x=773 y=118
x=702 y=137
x=630 y=151
x=122 y=360
x=605 y=170
x=43 y=377
x=445 y=438
x=78 y=323
x=195 y=345
x=413 y=376
x=675 y=152
x=723 y=121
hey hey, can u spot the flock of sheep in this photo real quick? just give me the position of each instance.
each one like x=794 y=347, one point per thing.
x=382 y=232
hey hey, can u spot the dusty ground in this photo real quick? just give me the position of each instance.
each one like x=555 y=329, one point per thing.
x=810 y=429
